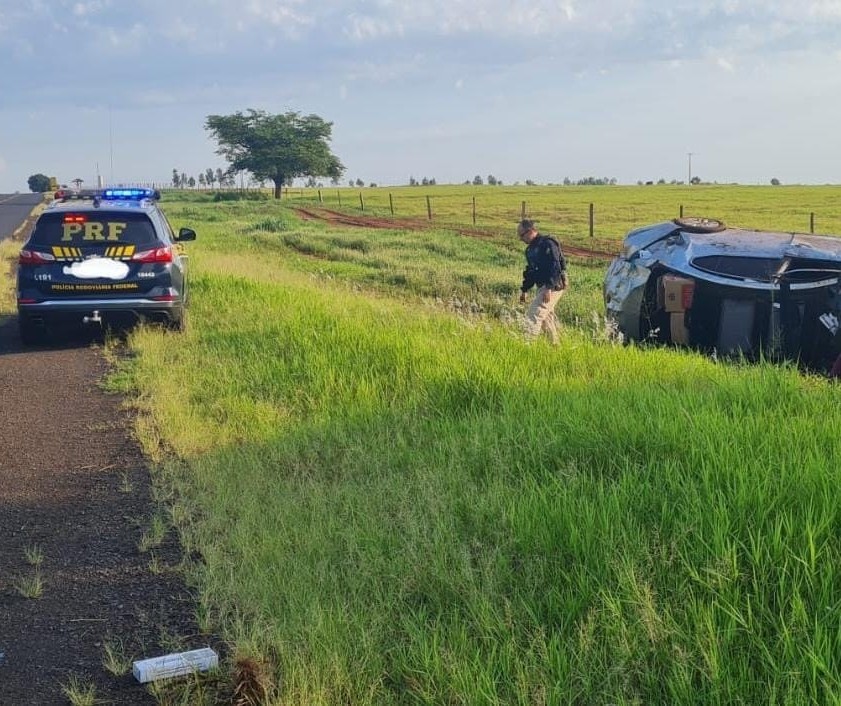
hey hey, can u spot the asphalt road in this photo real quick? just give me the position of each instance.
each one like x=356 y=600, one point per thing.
x=75 y=486
x=14 y=210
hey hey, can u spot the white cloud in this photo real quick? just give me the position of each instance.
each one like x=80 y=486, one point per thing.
x=500 y=18
x=363 y=28
x=384 y=72
x=82 y=9
x=181 y=31
x=825 y=9
x=278 y=14
x=337 y=58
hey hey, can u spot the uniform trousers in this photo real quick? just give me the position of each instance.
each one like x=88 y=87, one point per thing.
x=541 y=315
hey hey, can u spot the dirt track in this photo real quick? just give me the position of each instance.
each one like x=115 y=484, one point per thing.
x=75 y=487
x=601 y=251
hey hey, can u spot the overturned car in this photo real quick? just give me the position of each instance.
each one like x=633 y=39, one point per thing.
x=696 y=282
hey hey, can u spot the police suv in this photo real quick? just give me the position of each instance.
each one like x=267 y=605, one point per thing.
x=104 y=257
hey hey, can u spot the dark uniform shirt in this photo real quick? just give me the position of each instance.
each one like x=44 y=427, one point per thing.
x=545 y=264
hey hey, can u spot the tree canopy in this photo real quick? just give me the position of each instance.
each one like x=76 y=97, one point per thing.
x=38 y=183
x=277 y=147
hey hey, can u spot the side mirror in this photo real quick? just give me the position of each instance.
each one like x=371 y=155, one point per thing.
x=186 y=234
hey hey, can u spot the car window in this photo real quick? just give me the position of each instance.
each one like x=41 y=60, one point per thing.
x=811 y=269
x=93 y=228
x=755 y=268
x=164 y=228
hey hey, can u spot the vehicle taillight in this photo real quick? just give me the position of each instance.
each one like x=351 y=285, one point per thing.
x=157 y=255
x=33 y=257
x=75 y=218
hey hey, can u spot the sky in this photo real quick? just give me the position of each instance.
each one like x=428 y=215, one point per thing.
x=445 y=89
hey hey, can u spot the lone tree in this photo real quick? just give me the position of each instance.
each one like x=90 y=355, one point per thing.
x=277 y=147
x=38 y=183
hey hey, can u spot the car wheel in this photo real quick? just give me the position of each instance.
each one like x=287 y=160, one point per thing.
x=693 y=224
x=179 y=324
x=31 y=334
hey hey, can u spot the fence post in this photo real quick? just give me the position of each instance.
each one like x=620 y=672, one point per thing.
x=522 y=210
x=428 y=208
x=391 y=203
x=361 y=202
x=339 y=194
x=812 y=222
x=681 y=210
x=474 y=210
x=592 y=223
x=320 y=200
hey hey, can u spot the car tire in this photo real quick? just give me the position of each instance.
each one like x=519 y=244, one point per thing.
x=693 y=224
x=31 y=334
x=179 y=324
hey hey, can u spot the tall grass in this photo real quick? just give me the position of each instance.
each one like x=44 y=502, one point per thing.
x=400 y=505
x=8 y=256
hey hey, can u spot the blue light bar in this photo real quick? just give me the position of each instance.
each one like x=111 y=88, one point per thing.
x=129 y=194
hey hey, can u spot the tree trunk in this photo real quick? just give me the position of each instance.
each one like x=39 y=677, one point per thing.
x=278 y=186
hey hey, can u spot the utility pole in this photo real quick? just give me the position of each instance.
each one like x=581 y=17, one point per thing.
x=689 y=154
x=110 y=147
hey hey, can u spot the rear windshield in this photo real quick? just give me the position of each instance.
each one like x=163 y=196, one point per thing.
x=763 y=269
x=90 y=228
x=755 y=268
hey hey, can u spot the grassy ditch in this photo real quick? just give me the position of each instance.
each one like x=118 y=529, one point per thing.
x=395 y=504
x=9 y=250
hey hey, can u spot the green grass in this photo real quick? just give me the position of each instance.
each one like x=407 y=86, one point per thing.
x=115 y=657
x=8 y=261
x=397 y=504
x=34 y=555
x=154 y=535
x=617 y=209
x=79 y=692
x=30 y=586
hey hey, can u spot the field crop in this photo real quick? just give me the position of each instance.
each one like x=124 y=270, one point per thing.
x=397 y=500
x=565 y=210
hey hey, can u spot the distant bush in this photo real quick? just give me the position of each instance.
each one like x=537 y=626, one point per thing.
x=596 y=181
x=270 y=225
x=240 y=196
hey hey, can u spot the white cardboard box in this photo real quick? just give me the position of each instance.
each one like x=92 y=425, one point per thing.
x=175 y=665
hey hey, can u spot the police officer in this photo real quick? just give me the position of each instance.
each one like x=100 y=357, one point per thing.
x=546 y=269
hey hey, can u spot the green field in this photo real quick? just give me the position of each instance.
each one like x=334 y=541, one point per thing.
x=565 y=210
x=396 y=500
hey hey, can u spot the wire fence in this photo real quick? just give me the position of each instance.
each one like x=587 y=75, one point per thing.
x=582 y=213
x=600 y=212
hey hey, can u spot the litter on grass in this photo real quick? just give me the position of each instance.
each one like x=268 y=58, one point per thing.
x=176 y=664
